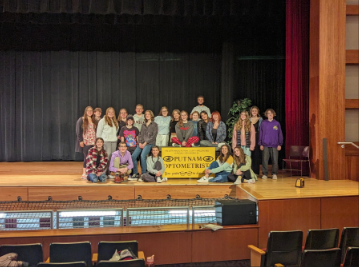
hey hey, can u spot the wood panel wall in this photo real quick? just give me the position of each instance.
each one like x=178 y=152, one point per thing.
x=327 y=85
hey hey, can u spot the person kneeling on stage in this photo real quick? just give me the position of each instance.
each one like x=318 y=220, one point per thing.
x=222 y=167
x=96 y=161
x=155 y=167
x=121 y=163
x=242 y=171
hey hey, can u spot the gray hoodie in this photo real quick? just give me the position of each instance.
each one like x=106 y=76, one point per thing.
x=148 y=133
x=185 y=132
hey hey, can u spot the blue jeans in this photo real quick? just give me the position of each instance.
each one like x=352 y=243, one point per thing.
x=93 y=178
x=220 y=176
x=144 y=152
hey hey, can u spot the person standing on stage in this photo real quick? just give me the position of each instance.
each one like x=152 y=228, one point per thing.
x=242 y=171
x=184 y=132
x=221 y=167
x=175 y=117
x=85 y=134
x=97 y=113
x=121 y=163
x=107 y=129
x=244 y=134
x=202 y=124
x=163 y=122
x=200 y=107
x=96 y=162
x=215 y=132
x=270 y=141
x=129 y=134
x=195 y=120
x=139 y=116
x=155 y=167
x=122 y=122
x=256 y=120
x=146 y=140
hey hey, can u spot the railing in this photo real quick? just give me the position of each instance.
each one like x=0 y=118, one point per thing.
x=26 y=220
x=89 y=218
x=343 y=144
x=155 y=216
x=202 y=214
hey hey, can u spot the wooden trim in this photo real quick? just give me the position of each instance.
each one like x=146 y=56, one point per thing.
x=350 y=150
x=258 y=250
x=351 y=103
x=352 y=10
x=352 y=57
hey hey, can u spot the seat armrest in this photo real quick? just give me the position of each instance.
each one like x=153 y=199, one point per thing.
x=256 y=255
x=94 y=258
x=47 y=260
x=141 y=255
x=278 y=265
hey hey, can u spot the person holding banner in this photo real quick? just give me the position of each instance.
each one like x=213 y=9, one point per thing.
x=222 y=167
x=155 y=167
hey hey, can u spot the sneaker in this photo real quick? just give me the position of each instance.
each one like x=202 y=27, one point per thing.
x=134 y=177
x=140 y=180
x=158 y=179
x=238 y=181
x=174 y=144
x=274 y=177
x=264 y=177
x=111 y=177
x=164 y=179
x=252 y=181
x=192 y=145
x=84 y=176
x=203 y=179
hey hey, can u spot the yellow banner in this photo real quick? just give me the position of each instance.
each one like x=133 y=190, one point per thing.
x=186 y=162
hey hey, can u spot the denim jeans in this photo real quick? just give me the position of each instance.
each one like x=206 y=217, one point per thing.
x=220 y=176
x=274 y=154
x=93 y=177
x=143 y=154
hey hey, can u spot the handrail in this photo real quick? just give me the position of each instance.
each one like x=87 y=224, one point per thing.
x=343 y=144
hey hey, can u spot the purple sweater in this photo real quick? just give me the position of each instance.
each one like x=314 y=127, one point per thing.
x=270 y=134
x=123 y=160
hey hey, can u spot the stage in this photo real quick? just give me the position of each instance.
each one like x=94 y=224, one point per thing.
x=281 y=206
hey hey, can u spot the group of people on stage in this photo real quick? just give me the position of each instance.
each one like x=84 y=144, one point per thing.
x=111 y=144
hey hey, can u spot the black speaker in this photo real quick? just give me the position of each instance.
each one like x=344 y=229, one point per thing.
x=238 y=212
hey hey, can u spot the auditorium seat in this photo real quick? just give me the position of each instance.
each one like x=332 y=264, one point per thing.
x=351 y=257
x=106 y=249
x=126 y=263
x=349 y=238
x=321 y=258
x=31 y=253
x=68 y=264
x=322 y=239
x=283 y=247
x=70 y=252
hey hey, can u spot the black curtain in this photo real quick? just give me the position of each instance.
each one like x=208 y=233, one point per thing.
x=44 y=93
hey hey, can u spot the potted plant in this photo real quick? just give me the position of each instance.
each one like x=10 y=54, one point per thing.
x=234 y=112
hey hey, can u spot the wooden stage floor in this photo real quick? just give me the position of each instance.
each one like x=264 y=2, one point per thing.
x=67 y=174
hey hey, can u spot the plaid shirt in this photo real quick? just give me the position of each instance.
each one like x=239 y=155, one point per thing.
x=91 y=159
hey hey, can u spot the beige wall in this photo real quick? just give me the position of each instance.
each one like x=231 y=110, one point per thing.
x=352 y=82
x=352 y=125
x=352 y=32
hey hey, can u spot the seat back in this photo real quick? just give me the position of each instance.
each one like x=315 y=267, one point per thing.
x=321 y=258
x=70 y=252
x=306 y=152
x=69 y=264
x=284 y=247
x=352 y=257
x=296 y=151
x=349 y=238
x=126 y=263
x=106 y=249
x=322 y=239
x=31 y=253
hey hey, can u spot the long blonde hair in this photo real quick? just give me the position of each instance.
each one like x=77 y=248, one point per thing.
x=119 y=116
x=112 y=120
x=86 y=120
x=241 y=158
x=239 y=123
x=180 y=120
x=151 y=114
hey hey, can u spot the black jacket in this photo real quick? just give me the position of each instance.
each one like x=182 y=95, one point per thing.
x=202 y=130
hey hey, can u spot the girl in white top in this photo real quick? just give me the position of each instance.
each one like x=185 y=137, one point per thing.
x=163 y=121
x=107 y=129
